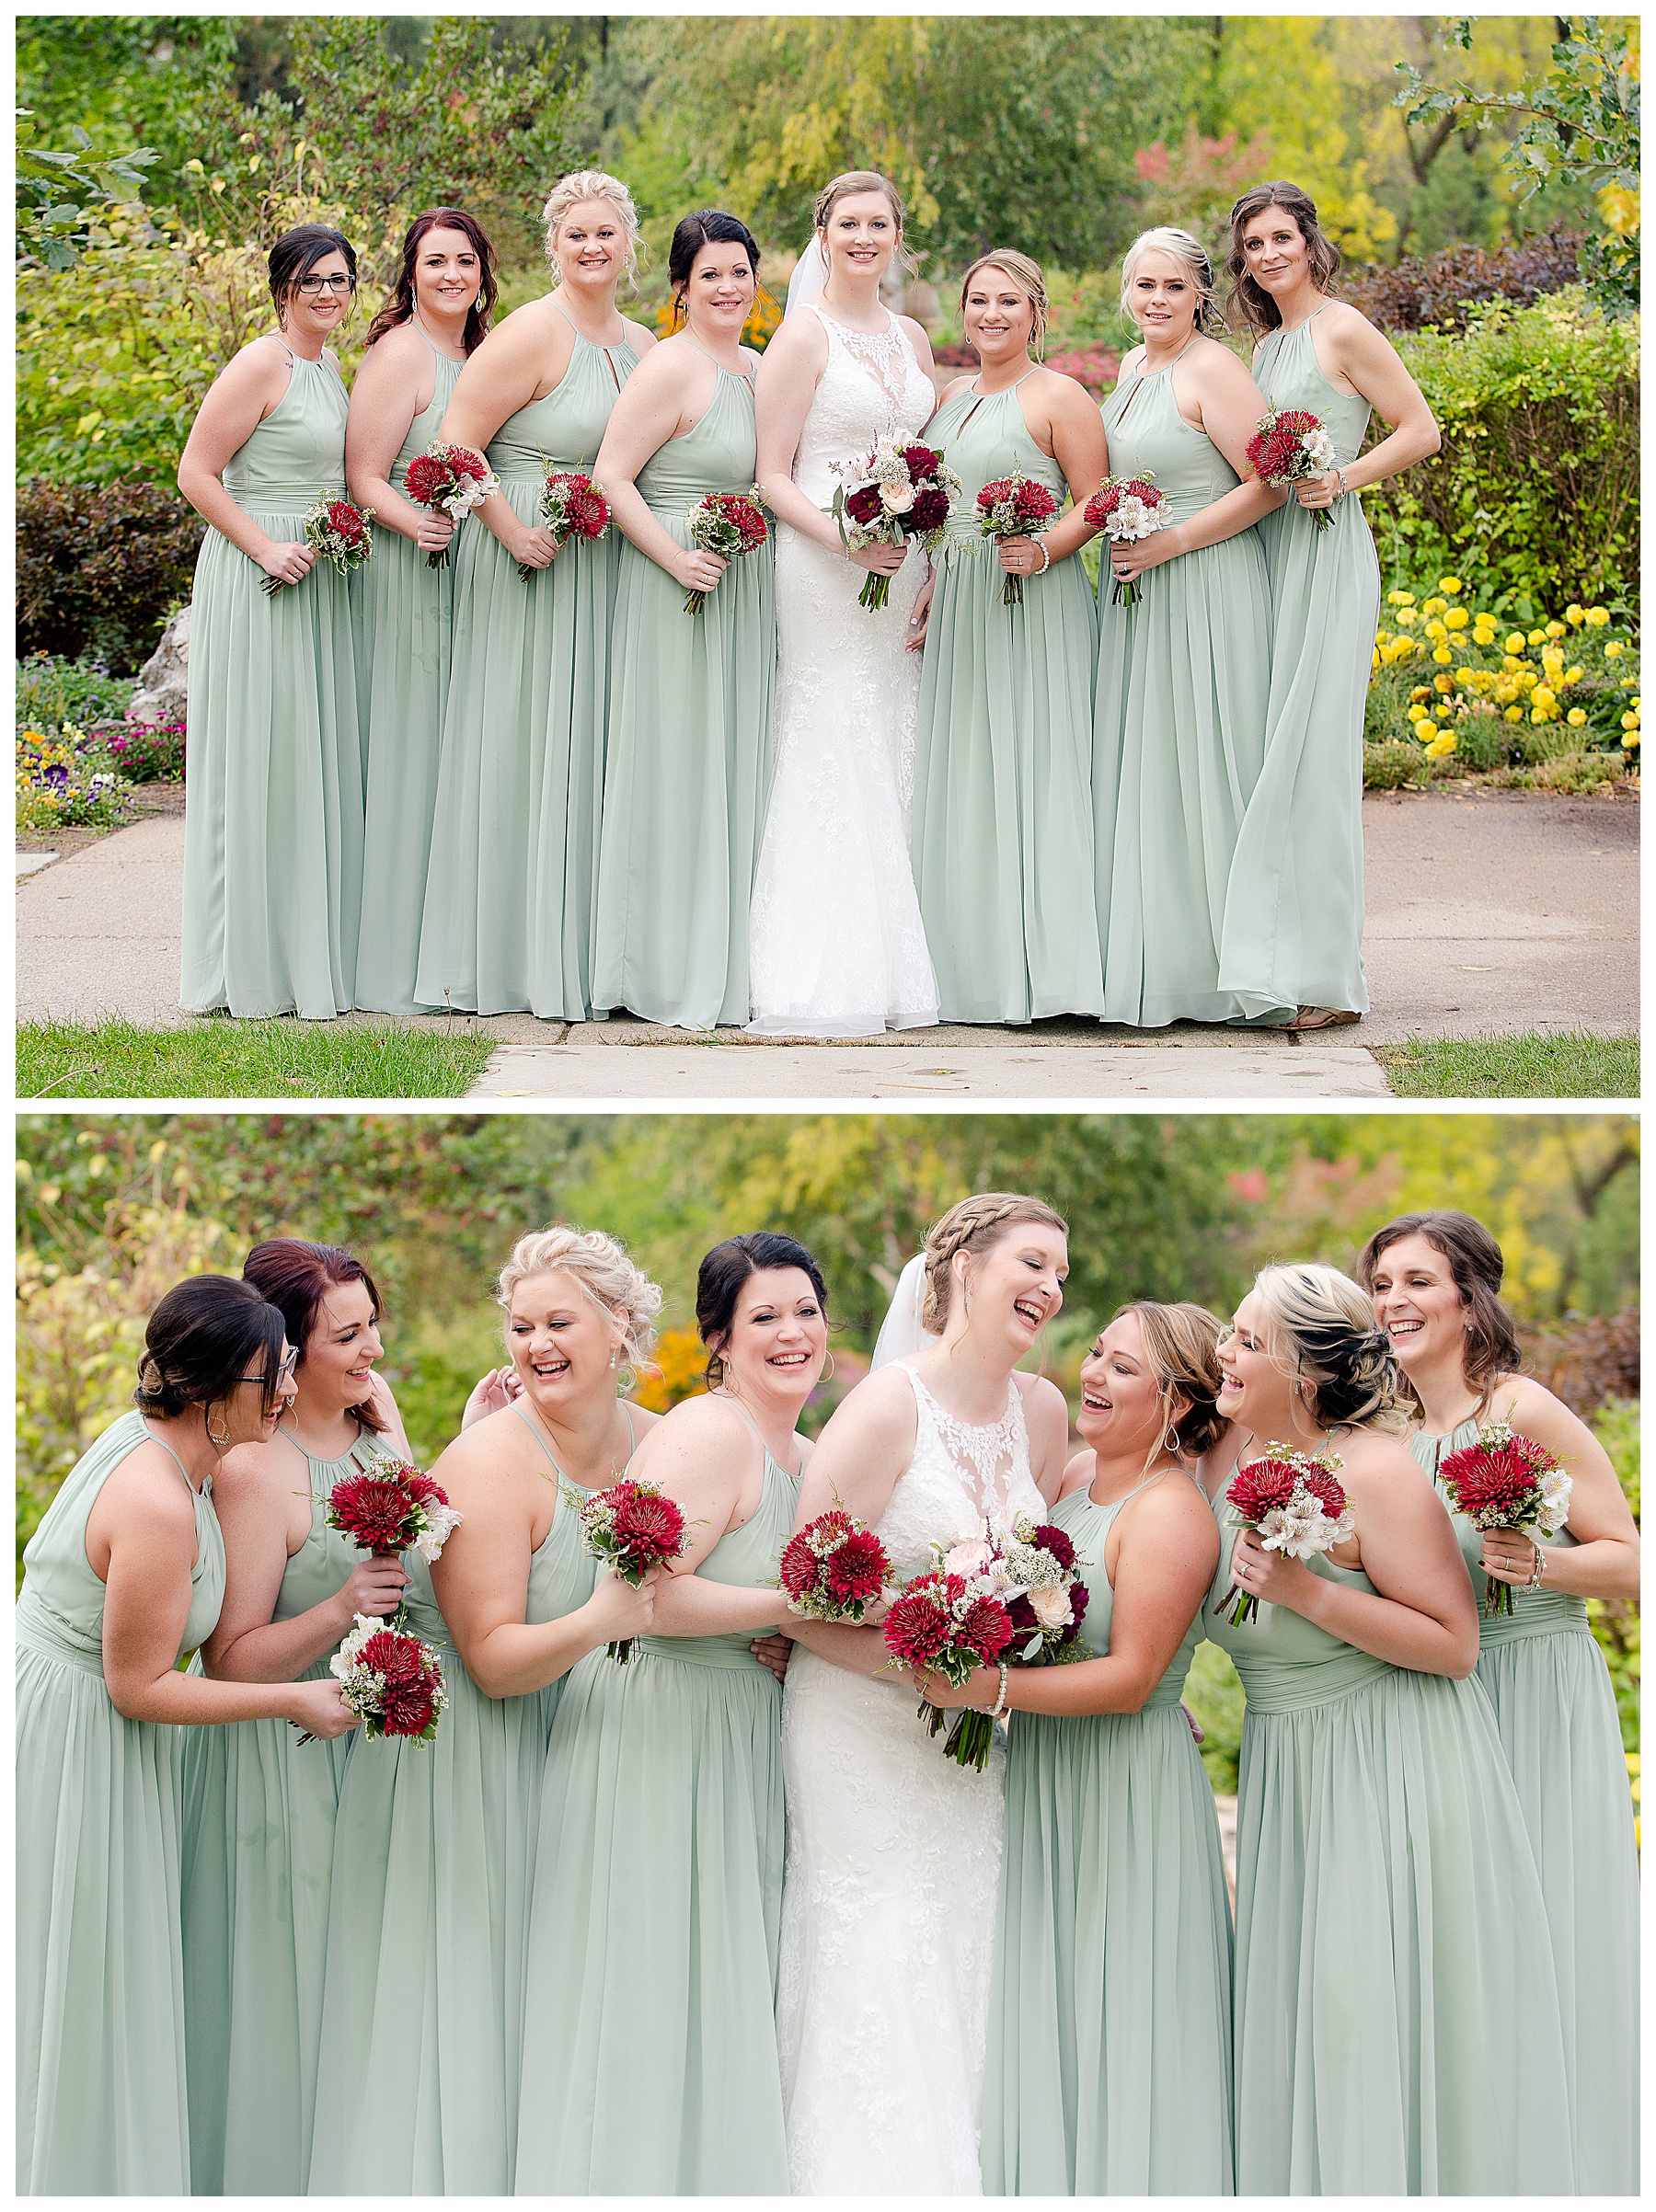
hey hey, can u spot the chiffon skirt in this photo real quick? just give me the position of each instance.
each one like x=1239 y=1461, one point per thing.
x=273 y=824
x=1109 y=2044
x=649 y=2048
x=1396 y=2020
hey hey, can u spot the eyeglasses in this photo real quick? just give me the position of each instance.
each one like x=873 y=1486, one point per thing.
x=284 y=1373
x=312 y=285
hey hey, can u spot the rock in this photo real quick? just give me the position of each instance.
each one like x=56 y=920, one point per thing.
x=163 y=680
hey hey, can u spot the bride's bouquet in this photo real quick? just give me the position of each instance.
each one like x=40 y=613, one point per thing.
x=1295 y=1504
x=728 y=524
x=1507 y=1482
x=571 y=506
x=1288 y=446
x=392 y=1681
x=1014 y=506
x=952 y=1624
x=632 y=1527
x=336 y=531
x=1127 y=508
x=889 y=496
x=834 y=1569
x=450 y=480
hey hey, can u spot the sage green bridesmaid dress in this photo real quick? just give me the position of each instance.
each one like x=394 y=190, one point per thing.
x=258 y=1863
x=273 y=822
x=429 y=1912
x=509 y=898
x=1002 y=833
x=403 y=614
x=1184 y=681
x=1397 y=2015
x=101 y=2100
x=1556 y=1712
x=1110 y=2015
x=650 y=2045
x=1293 y=919
x=689 y=748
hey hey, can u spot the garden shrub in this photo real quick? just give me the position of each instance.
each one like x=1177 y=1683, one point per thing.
x=1394 y=766
x=146 y=752
x=51 y=691
x=1434 y=291
x=1535 y=493
x=99 y=568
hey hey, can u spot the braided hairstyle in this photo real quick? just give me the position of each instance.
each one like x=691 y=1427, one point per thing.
x=1320 y=1331
x=1182 y=1344
x=975 y=1227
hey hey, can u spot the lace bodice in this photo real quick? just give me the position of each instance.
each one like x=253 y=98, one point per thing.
x=960 y=1473
x=872 y=386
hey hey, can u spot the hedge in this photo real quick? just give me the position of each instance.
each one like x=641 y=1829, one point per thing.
x=101 y=566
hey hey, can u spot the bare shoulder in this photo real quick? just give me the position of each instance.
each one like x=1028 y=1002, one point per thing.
x=148 y=1482
x=1066 y=396
x=1376 y=1467
x=882 y=1404
x=1176 y=1503
x=1218 y=367
x=799 y=337
x=639 y=336
x=498 y=1441
x=1079 y=1473
x=955 y=384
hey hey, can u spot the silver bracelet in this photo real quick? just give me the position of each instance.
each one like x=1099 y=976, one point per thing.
x=1344 y=487
x=1000 y=1702
x=1046 y=557
x=1538 y=1571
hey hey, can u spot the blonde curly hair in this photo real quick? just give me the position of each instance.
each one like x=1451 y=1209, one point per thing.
x=974 y=1226
x=601 y=1269
x=591 y=184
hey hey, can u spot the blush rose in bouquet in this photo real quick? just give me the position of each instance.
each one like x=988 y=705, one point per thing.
x=889 y=496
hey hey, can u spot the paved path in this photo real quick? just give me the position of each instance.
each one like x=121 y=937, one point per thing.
x=1487 y=911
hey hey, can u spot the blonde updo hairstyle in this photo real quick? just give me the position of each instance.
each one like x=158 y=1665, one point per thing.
x=1191 y=258
x=603 y=1271
x=975 y=1227
x=1319 y=1330
x=863 y=180
x=1027 y=275
x=1181 y=1343
x=591 y=184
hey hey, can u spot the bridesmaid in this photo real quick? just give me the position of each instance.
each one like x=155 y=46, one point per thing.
x=1294 y=921
x=1184 y=676
x=1435 y=1281
x=122 y=1580
x=418 y=343
x=1397 y=2016
x=649 y=2048
x=435 y=1843
x=260 y=1809
x=1109 y=2048
x=690 y=696
x=273 y=826
x=508 y=921
x=1002 y=835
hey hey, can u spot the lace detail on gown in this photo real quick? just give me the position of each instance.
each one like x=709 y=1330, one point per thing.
x=837 y=946
x=893 y=1864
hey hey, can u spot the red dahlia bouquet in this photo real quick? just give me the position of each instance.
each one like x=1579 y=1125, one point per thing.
x=392 y=1509
x=1295 y=1504
x=1127 y=508
x=728 y=524
x=632 y=1527
x=954 y=1623
x=1506 y=1481
x=336 y=531
x=450 y=480
x=391 y=1681
x=1014 y=506
x=571 y=506
x=834 y=1569
x=895 y=493
x=1288 y=446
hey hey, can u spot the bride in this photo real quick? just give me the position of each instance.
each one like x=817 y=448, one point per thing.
x=837 y=948
x=893 y=1850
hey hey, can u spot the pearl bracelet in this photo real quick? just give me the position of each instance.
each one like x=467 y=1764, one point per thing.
x=1538 y=1572
x=1000 y=1702
x=1046 y=557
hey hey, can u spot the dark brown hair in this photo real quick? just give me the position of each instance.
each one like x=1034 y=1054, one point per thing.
x=297 y=252
x=1476 y=1262
x=723 y=1272
x=1258 y=310
x=399 y=308
x=207 y=1333
x=296 y=1276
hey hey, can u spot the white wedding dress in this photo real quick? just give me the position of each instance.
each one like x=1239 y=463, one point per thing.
x=836 y=947
x=892 y=1867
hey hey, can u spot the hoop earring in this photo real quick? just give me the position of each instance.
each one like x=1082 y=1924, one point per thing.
x=828 y=1371
x=1170 y=1441
x=219 y=1441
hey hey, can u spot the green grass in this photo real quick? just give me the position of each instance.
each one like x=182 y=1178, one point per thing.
x=225 y=1059
x=1530 y=1065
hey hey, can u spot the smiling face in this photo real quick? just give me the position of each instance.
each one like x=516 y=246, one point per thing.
x=340 y=1351
x=242 y=1413
x=718 y=294
x=448 y=274
x=1419 y=1303
x=1255 y=1391
x=591 y=247
x=998 y=316
x=1121 y=1410
x=315 y=313
x=564 y=1345
x=1163 y=297
x=1274 y=249
x=1014 y=1289
x=778 y=1337
x=861 y=234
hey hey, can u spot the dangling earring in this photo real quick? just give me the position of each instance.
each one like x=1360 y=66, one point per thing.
x=219 y=1441
x=614 y=1352
x=1170 y=1441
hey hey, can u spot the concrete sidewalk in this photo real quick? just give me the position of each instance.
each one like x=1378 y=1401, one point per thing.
x=1487 y=911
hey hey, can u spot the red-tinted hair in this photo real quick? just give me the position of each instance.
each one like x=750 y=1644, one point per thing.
x=294 y=1277
x=399 y=307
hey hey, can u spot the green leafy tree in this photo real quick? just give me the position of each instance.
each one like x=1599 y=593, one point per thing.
x=60 y=194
